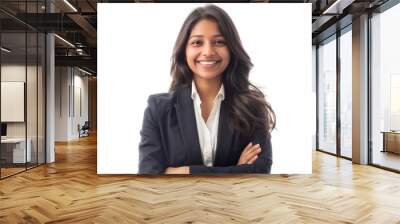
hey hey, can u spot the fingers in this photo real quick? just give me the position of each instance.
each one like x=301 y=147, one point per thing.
x=249 y=154
x=253 y=150
x=248 y=147
x=252 y=160
x=243 y=157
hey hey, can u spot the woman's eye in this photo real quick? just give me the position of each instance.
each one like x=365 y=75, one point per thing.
x=220 y=42
x=196 y=43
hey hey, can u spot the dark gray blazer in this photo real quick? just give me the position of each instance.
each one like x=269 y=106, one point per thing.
x=169 y=138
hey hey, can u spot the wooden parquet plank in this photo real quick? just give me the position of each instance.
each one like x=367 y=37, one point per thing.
x=70 y=191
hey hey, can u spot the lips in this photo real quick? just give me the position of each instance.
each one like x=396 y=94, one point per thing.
x=208 y=63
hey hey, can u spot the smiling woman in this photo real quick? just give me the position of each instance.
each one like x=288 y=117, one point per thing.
x=206 y=53
x=213 y=120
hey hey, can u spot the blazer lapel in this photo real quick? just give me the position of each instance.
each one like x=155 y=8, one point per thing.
x=187 y=123
x=225 y=135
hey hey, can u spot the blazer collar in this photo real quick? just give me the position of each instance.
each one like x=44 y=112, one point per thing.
x=195 y=94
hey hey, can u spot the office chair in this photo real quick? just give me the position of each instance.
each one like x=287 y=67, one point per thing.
x=84 y=130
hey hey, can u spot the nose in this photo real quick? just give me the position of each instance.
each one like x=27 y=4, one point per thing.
x=208 y=49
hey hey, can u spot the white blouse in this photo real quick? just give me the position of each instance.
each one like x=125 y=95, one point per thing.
x=208 y=131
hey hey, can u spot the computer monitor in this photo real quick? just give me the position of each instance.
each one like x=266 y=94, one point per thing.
x=3 y=129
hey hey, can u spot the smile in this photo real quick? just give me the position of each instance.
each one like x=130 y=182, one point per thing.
x=208 y=63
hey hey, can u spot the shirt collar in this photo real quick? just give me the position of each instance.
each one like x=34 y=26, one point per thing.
x=220 y=94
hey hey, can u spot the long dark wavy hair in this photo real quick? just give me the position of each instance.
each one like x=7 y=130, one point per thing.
x=247 y=105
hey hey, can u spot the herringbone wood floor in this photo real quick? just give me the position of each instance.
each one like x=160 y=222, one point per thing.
x=70 y=191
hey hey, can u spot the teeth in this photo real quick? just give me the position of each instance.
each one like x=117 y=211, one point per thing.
x=207 y=62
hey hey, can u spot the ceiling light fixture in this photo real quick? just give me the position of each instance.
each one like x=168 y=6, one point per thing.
x=338 y=6
x=84 y=71
x=5 y=50
x=79 y=51
x=70 y=5
x=64 y=40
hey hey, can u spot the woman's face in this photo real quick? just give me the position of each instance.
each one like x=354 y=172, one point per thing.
x=206 y=52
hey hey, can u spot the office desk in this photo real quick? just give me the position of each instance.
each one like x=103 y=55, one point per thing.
x=391 y=141
x=15 y=148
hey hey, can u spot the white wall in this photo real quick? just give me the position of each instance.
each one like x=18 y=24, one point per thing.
x=70 y=83
x=62 y=81
x=282 y=69
x=80 y=84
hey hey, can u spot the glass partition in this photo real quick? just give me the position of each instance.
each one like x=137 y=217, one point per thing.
x=22 y=77
x=346 y=93
x=33 y=72
x=14 y=154
x=327 y=96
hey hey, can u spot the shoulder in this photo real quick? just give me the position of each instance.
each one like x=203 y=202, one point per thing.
x=166 y=100
x=158 y=105
x=161 y=101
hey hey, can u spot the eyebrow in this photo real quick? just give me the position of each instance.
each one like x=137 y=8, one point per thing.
x=216 y=35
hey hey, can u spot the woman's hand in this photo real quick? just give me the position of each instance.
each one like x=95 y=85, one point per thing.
x=249 y=154
x=177 y=170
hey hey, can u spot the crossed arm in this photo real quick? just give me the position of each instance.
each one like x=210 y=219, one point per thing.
x=249 y=155
x=255 y=158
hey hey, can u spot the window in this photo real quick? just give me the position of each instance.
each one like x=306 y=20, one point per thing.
x=346 y=93
x=327 y=96
x=385 y=88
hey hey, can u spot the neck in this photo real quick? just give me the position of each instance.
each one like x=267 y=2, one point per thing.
x=207 y=88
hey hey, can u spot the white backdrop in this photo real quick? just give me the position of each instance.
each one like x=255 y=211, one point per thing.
x=135 y=43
